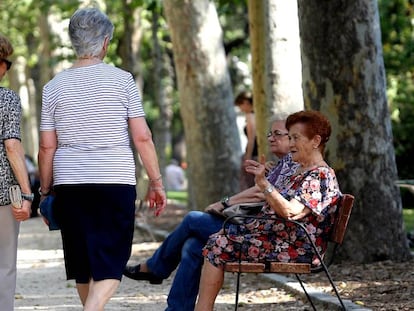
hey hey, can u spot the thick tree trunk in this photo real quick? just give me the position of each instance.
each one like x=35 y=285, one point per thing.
x=206 y=98
x=344 y=77
x=276 y=63
x=283 y=69
x=257 y=31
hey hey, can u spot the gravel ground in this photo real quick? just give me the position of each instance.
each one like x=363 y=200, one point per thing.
x=41 y=283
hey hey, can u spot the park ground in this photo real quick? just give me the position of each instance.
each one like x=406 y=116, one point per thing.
x=41 y=283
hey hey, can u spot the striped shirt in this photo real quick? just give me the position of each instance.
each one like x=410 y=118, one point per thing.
x=89 y=108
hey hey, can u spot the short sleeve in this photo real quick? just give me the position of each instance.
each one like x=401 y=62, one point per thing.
x=135 y=108
x=12 y=113
x=318 y=190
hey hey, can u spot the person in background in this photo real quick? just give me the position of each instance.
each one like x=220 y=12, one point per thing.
x=311 y=196
x=175 y=177
x=182 y=248
x=245 y=103
x=90 y=113
x=12 y=171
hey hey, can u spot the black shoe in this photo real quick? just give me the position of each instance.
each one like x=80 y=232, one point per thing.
x=133 y=272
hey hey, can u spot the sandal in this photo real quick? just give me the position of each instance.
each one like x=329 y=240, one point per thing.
x=15 y=196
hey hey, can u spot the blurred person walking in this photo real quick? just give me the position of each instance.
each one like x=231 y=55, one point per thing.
x=245 y=103
x=89 y=112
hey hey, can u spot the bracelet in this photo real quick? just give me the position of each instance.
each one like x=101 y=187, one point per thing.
x=44 y=193
x=156 y=179
x=157 y=188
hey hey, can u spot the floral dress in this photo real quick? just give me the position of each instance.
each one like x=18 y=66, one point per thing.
x=260 y=240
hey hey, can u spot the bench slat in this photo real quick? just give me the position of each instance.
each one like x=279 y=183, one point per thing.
x=289 y=267
x=244 y=267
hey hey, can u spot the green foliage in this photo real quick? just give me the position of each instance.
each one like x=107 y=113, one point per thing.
x=408 y=214
x=398 y=48
x=181 y=196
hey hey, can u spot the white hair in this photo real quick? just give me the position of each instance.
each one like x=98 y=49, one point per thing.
x=88 y=29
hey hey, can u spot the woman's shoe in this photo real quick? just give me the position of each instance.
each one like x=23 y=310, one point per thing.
x=133 y=272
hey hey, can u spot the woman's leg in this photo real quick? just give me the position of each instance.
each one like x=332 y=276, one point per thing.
x=99 y=294
x=9 y=230
x=210 y=284
x=195 y=224
x=83 y=290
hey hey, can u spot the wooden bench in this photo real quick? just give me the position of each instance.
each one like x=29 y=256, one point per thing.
x=336 y=238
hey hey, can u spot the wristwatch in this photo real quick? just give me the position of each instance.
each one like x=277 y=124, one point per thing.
x=225 y=201
x=28 y=197
x=269 y=189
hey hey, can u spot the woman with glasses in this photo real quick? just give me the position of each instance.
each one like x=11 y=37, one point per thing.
x=310 y=196
x=12 y=172
x=181 y=250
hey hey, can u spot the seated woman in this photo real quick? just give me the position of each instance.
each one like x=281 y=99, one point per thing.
x=311 y=196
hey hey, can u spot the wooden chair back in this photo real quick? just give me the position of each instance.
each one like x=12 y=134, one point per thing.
x=342 y=218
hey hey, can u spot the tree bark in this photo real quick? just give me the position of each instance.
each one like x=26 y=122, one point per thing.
x=276 y=62
x=257 y=32
x=205 y=93
x=344 y=77
x=283 y=79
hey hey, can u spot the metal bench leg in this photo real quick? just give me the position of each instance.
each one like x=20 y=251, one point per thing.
x=237 y=291
x=333 y=286
x=305 y=291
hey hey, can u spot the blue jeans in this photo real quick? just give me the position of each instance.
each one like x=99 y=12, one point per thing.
x=182 y=248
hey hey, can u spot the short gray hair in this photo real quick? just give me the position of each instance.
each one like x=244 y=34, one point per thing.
x=88 y=29
x=280 y=116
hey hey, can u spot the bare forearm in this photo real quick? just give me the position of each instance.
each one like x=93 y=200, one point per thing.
x=148 y=154
x=15 y=155
x=45 y=160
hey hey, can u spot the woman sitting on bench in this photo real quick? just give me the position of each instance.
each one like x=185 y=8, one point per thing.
x=310 y=196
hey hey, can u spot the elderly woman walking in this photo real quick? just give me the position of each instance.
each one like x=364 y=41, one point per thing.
x=13 y=171
x=90 y=114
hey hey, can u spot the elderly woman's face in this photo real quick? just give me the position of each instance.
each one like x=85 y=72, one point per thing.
x=278 y=139
x=301 y=147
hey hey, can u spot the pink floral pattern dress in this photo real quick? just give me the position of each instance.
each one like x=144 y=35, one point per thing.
x=260 y=240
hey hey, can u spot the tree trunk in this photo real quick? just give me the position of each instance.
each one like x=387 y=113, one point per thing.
x=276 y=63
x=284 y=69
x=344 y=77
x=257 y=32
x=206 y=98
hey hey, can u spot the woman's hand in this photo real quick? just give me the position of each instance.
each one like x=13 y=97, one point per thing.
x=23 y=213
x=157 y=199
x=258 y=170
x=214 y=207
x=304 y=212
x=269 y=165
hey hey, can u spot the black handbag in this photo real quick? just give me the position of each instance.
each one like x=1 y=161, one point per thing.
x=245 y=209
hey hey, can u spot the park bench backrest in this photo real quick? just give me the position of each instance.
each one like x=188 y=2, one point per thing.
x=342 y=218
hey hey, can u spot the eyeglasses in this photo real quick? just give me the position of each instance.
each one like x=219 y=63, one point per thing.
x=8 y=63
x=276 y=134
